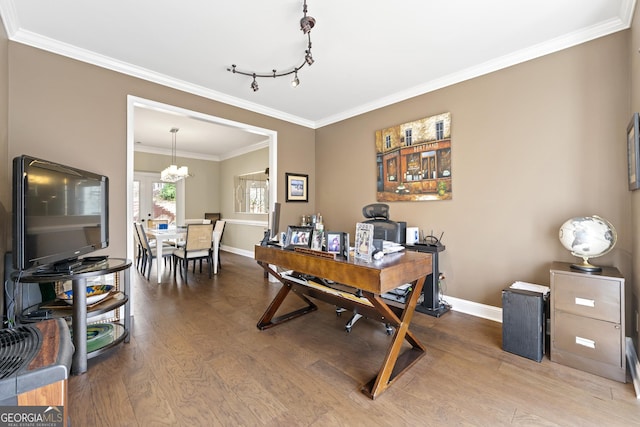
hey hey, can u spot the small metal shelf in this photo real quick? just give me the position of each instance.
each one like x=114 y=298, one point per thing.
x=58 y=309
x=119 y=335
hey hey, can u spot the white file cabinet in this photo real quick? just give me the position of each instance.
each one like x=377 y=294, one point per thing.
x=587 y=320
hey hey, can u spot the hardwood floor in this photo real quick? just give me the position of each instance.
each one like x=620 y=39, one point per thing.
x=196 y=358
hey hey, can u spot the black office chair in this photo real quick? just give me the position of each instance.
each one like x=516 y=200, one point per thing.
x=384 y=228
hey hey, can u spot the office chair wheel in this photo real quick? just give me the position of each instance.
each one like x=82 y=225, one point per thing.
x=348 y=329
x=389 y=329
x=340 y=310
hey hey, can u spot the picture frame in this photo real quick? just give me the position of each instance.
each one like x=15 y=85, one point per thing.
x=336 y=242
x=317 y=238
x=364 y=242
x=298 y=236
x=297 y=185
x=633 y=151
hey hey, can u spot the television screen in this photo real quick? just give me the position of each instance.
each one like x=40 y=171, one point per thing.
x=59 y=213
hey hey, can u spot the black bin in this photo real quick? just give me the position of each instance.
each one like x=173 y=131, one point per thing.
x=523 y=323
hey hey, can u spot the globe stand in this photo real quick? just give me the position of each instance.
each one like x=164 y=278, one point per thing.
x=586 y=266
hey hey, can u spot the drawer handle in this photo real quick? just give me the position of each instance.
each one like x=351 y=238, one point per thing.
x=585 y=342
x=585 y=302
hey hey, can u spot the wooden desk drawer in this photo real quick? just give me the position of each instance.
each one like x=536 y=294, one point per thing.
x=589 y=296
x=590 y=338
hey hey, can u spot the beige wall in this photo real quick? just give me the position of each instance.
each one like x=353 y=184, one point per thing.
x=634 y=232
x=532 y=146
x=68 y=111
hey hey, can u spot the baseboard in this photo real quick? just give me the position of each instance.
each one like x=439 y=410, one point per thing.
x=634 y=365
x=237 y=251
x=475 y=309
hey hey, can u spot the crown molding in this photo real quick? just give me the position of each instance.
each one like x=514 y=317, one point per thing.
x=191 y=155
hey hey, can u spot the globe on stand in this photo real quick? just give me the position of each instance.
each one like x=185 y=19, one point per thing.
x=588 y=237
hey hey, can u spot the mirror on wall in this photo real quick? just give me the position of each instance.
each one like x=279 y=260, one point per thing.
x=251 y=192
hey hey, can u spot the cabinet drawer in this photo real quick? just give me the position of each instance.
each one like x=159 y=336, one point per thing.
x=593 y=296
x=590 y=338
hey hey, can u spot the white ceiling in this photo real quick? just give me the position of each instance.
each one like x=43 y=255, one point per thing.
x=368 y=53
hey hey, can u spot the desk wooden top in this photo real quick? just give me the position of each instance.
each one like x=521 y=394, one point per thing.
x=378 y=277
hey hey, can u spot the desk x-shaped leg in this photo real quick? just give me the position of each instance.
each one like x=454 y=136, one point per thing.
x=395 y=363
x=267 y=320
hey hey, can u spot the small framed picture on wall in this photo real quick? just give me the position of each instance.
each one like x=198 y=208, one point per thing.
x=297 y=187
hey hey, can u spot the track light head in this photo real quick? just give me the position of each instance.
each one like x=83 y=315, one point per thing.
x=307 y=23
x=308 y=58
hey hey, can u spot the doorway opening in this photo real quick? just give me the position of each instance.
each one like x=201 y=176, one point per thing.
x=136 y=104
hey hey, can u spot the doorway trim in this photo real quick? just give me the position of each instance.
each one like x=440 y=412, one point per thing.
x=134 y=101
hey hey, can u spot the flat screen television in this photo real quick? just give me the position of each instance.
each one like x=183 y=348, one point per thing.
x=59 y=214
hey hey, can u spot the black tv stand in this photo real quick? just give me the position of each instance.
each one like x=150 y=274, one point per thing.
x=431 y=303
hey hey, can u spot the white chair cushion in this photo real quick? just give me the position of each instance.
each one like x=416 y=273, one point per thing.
x=193 y=254
x=166 y=251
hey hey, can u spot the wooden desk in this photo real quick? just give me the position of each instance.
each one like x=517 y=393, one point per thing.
x=372 y=279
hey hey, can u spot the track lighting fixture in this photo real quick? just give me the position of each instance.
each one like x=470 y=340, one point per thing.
x=306 y=24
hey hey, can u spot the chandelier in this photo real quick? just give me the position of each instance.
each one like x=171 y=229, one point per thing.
x=306 y=24
x=173 y=173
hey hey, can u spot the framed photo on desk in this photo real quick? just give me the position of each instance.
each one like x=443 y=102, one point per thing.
x=364 y=242
x=298 y=236
x=337 y=243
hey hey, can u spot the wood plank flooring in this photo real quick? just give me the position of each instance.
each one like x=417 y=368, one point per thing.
x=196 y=358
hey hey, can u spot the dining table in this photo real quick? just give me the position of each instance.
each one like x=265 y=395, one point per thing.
x=176 y=234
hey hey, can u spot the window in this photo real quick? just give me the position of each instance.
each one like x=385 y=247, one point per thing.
x=408 y=137
x=252 y=193
x=439 y=130
x=387 y=141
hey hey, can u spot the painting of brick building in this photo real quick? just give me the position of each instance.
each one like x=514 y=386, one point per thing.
x=413 y=160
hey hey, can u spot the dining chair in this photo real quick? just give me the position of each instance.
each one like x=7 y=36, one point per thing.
x=138 y=243
x=196 y=221
x=197 y=247
x=219 y=227
x=149 y=253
